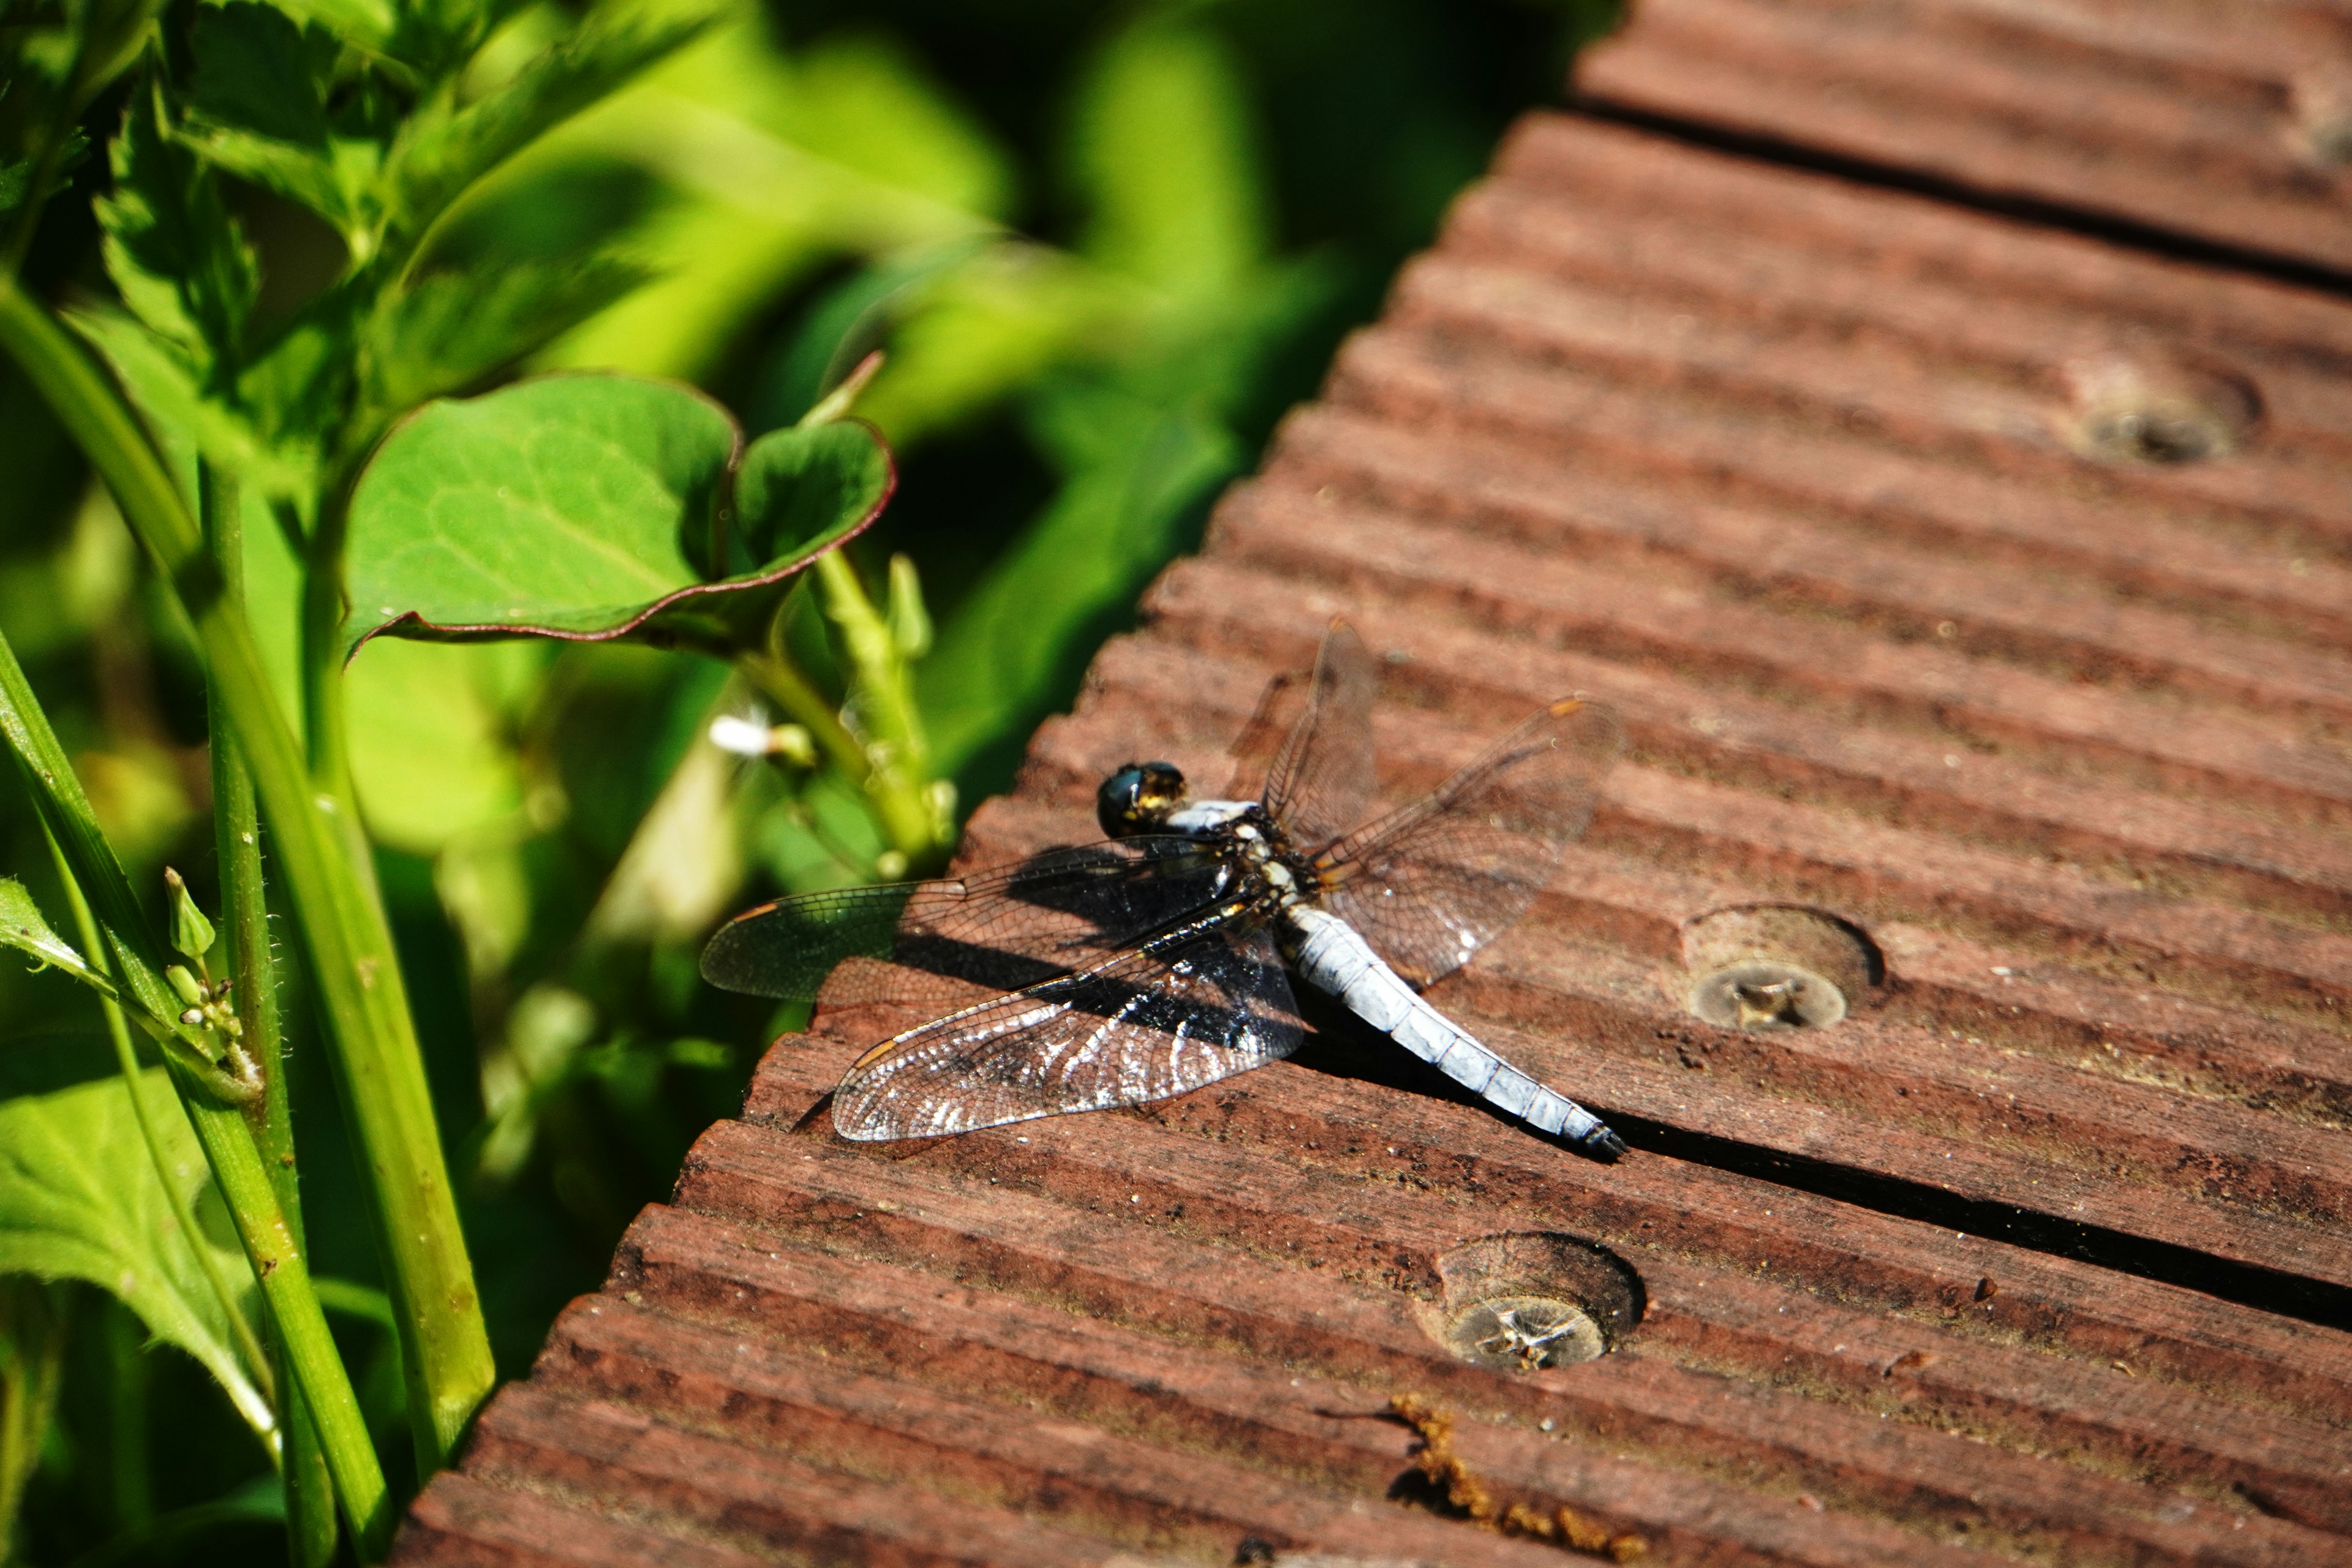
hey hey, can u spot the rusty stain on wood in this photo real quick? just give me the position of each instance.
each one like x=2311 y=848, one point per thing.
x=1977 y=596
x=1467 y=1493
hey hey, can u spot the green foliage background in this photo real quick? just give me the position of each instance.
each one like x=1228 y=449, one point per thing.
x=1104 y=246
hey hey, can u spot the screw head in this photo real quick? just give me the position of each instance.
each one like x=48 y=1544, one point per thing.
x=1767 y=993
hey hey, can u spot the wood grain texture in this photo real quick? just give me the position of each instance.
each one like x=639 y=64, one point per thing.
x=2221 y=123
x=2043 y=1255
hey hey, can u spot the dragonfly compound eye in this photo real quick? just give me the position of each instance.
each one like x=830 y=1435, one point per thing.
x=1137 y=798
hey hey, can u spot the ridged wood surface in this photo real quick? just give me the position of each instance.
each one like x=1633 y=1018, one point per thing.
x=2040 y=1254
x=2230 y=123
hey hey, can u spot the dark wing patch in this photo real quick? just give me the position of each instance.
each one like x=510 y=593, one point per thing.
x=951 y=941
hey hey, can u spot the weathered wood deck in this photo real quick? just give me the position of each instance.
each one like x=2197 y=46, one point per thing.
x=1824 y=482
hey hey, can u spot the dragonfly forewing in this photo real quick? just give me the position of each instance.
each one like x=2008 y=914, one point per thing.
x=1201 y=1003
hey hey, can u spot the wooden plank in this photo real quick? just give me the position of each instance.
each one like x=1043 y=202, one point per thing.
x=2041 y=1254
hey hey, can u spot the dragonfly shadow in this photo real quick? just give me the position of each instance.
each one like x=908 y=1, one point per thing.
x=1341 y=1046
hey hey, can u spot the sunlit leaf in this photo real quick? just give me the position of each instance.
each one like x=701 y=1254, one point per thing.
x=429 y=749
x=367 y=23
x=728 y=126
x=177 y=257
x=79 y=1199
x=1162 y=151
x=110 y=35
x=164 y=379
x=452 y=329
x=870 y=105
x=798 y=490
x=1008 y=651
x=591 y=507
x=990 y=330
x=256 y=110
x=438 y=155
x=852 y=319
x=23 y=928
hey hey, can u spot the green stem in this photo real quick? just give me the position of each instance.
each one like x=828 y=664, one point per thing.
x=882 y=688
x=251 y=1405
x=341 y=923
x=889 y=769
x=220 y=1126
x=322 y=662
x=788 y=689
x=245 y=911
x=285 y=1276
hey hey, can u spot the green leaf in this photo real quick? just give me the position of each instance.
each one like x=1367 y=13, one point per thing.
x=53 y=60
x=434 y=39
x=79 y=1199
x=23 y=928
x=178 y=258
x=868 y=104
x=367 y=23
x=256 y=110
x=163 y=382
x=591 y=507
x=257 y=71
x=297 y=388
x=439 y=155
x=1163 y=153
x=800 y=487
x=1012 y=647
x=110 y=35
x=15 y=184
x=430 y=752
x=455 y=328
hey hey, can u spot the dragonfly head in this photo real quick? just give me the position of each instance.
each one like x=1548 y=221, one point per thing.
x=1137 y=798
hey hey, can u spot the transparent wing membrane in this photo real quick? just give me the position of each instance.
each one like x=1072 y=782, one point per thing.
x=1431 y=883
x=1321 y=778
x=1203 y=1003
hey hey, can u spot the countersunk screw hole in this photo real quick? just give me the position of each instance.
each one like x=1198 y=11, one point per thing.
x=1526 y=1302
x=1776 y=966
x=2155 y=410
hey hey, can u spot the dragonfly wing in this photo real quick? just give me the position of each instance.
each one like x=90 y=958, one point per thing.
x=1321 y=777
x=1431 y=883
x=956 y=941
x=1197 y=1007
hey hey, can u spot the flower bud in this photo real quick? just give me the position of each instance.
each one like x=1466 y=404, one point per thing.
x=192 y=934
x=186 y=985
x=909 y=621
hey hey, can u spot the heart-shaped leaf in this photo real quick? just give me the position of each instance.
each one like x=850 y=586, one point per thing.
x=591 y=507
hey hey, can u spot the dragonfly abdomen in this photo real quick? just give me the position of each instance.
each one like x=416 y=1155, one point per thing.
x=1331 y=955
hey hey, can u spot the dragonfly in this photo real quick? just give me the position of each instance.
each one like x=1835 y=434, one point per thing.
x=1160 y=960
